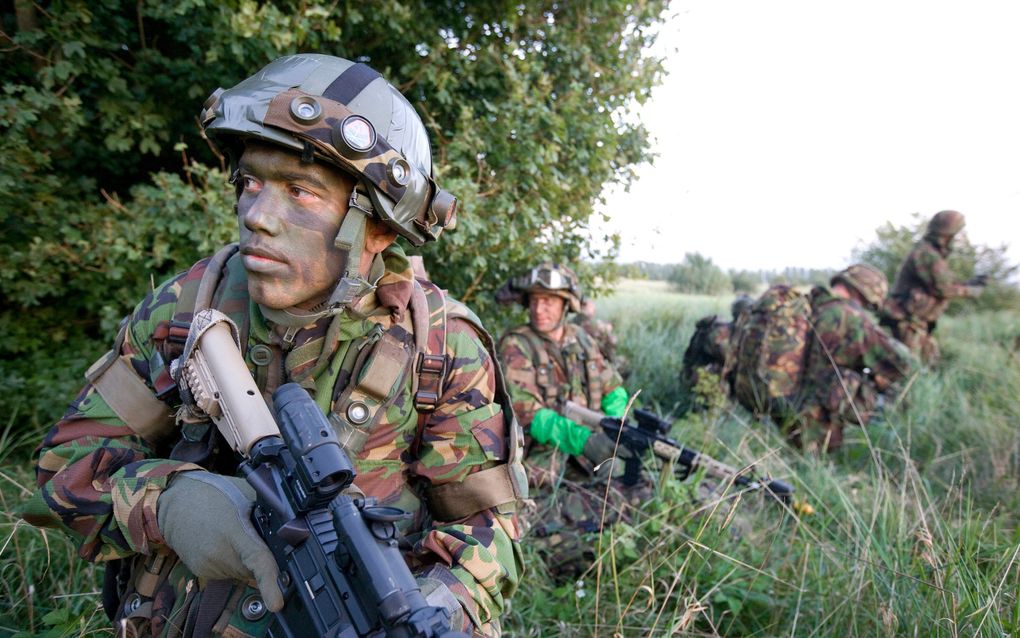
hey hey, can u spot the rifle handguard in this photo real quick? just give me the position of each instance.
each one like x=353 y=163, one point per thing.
x=211 y=355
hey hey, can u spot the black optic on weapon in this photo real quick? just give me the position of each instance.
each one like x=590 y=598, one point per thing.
x=651 y=422
x=323 y=469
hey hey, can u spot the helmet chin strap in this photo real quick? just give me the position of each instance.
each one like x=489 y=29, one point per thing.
x=351 y=239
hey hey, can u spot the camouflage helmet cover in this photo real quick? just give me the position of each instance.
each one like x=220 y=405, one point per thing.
x=867 y=280
x=344 y=113
x=946 y=223
x=549 y=278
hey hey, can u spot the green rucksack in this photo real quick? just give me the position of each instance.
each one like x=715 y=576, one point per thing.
x=771 y=347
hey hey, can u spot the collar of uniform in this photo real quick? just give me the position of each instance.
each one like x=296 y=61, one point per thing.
x=393 y=289
x=820 y=296
x=569 y=336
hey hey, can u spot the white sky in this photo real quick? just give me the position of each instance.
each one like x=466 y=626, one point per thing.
x=788 y=131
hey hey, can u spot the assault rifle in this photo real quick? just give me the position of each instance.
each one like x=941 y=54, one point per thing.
x=341 y=569
x=649 y=433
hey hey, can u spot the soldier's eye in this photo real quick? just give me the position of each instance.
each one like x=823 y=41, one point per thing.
x=250 y=184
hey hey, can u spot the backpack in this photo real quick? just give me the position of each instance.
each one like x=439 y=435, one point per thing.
x=771 y=348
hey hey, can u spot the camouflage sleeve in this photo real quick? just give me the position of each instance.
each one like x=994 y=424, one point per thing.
x=933 y=269
x=857 y=342
x=887 y=358
x=515 y=355
x=96 y=479
x=477 y=557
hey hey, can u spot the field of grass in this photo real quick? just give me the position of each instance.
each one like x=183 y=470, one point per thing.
x=914 y=532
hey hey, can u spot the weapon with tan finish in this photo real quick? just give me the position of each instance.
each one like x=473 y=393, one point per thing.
x=649 y=433
x=342 y=572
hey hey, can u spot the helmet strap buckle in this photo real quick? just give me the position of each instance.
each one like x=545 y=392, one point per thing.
x=351 y=239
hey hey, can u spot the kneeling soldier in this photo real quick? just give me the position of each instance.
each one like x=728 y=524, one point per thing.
x=330 y=164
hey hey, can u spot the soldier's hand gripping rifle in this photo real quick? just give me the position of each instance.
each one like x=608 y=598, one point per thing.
x=341 y=571
x=649 y=433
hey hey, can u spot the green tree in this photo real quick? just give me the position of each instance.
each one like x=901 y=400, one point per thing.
x=107 y=184
x=746 y=281
x=698 y=275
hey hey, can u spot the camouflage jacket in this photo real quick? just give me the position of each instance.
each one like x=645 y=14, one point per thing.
x=848 y=351
x=924 y=285
x=99 y=481
x=542 y=374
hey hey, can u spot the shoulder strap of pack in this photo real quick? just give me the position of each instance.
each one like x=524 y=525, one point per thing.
x=428 y=316
x=194 y=299
x=492 y=487
x=592 y=380
x=542 y=363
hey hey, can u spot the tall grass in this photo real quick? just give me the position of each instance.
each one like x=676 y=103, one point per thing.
x=914 y=531
x=915 y=524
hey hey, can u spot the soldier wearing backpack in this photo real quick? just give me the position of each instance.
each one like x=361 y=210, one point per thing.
x=769 y=349
x=850 y=359
x=331 y=163
x=708 y=353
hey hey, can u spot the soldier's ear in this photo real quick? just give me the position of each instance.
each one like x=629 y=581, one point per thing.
x=378 y=236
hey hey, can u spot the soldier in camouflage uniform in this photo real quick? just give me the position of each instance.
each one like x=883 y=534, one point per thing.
x=924 y=286
x=850 y=359
x=708 y=354
x=548 y=362
x=332 y=163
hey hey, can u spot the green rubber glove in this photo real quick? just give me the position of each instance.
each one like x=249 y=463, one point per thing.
x=206 y=519
x=615 y=403
x=549 y=428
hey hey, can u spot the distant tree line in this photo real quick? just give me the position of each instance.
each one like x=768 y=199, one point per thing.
x=698 y=274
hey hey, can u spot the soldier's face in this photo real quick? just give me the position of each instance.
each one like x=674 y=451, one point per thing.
x=289 y=213
x=545 y=311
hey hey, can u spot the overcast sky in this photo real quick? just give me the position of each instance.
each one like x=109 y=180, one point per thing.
x=788 y=131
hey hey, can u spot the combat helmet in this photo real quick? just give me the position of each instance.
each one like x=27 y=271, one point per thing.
x=740 y=304
x=867 y=280
x=335 y=110
x=548 y=277
x=946 y=223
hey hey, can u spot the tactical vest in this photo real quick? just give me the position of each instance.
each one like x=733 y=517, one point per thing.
x=372 y=374
x=545 y=378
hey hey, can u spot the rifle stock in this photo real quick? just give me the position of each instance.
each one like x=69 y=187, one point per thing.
x=648 y=434
x=341 y=570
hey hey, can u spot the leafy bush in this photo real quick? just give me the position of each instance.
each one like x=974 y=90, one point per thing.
x=698 y=275
x=108 y=186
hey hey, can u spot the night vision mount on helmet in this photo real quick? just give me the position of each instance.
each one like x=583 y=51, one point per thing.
x=344 y=113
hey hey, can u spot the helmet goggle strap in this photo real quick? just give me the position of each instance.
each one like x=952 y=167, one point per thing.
x=351 y=239
x=549 y=278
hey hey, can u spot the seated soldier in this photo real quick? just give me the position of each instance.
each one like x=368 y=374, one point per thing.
x=850 y=359
x=707 y=357
x=547 y=362
x=324 y=298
